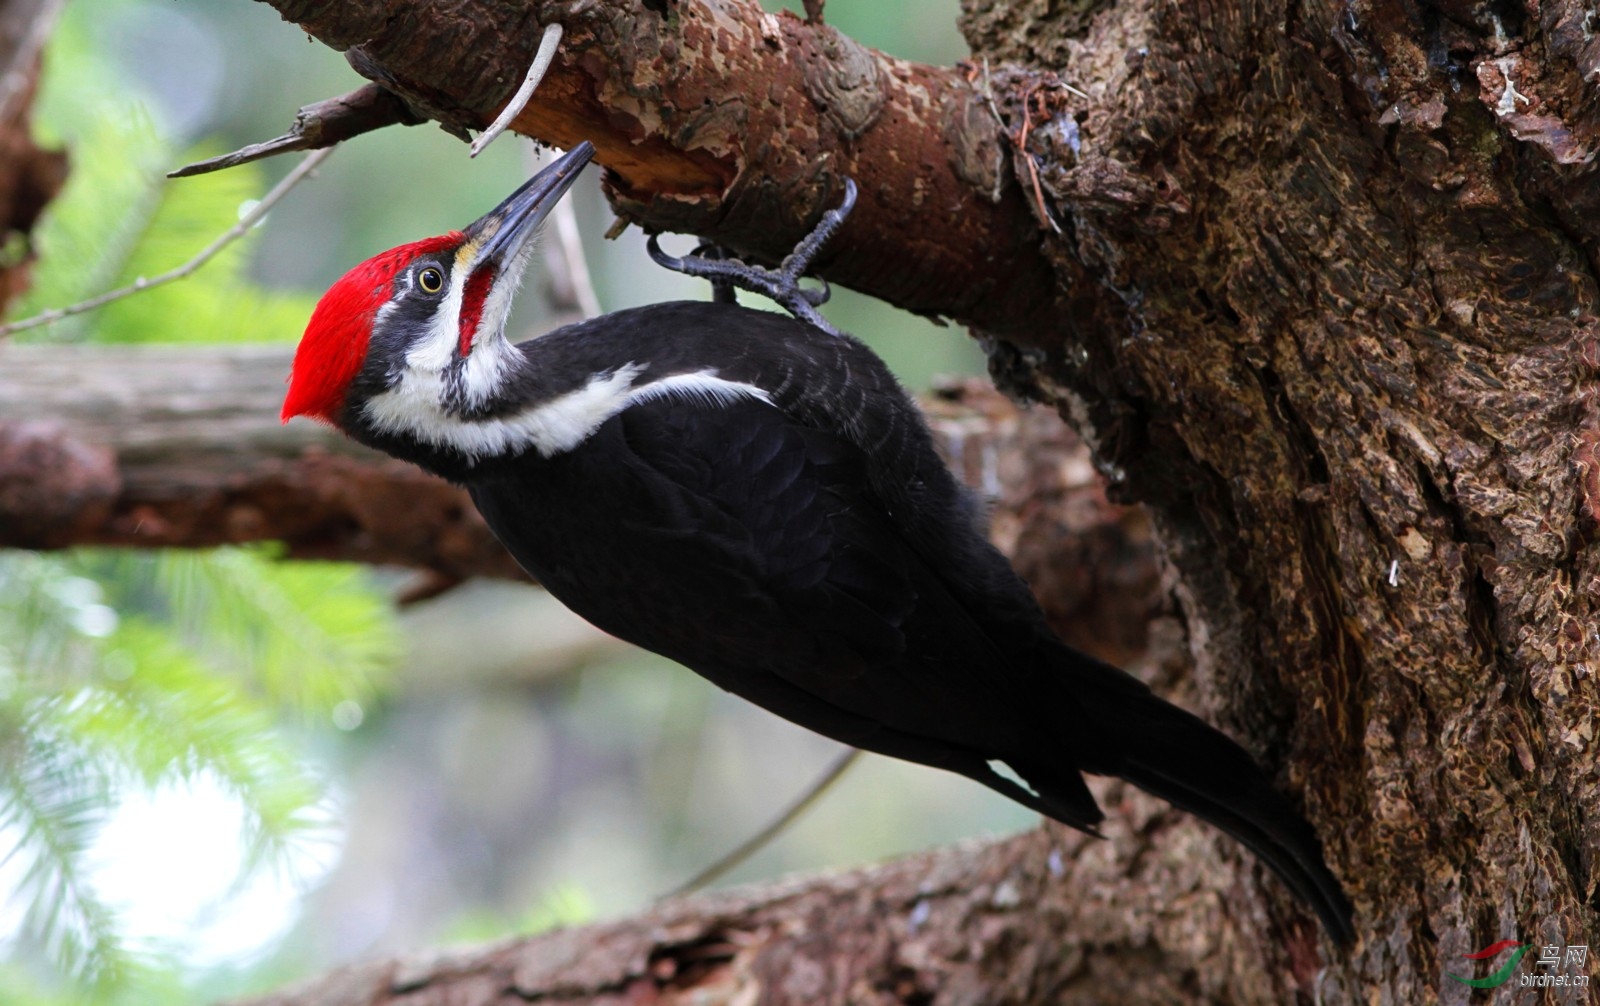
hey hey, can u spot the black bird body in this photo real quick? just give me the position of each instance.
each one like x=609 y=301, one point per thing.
x=760 y=501
x=757 y=544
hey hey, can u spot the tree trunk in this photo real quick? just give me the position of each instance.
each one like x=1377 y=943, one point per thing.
x=1318 y=282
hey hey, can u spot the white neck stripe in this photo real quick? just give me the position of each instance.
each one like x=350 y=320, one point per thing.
x=555 y=426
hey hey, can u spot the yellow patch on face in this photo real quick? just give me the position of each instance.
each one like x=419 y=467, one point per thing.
x=466 y=253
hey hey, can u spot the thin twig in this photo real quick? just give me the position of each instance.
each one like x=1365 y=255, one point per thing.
x=999 y=120
x=548 y=44
x=570 y=242
x=754 y=843
x=988 y=96
x=1033 y=169
x=571 y=287
x=206 y=254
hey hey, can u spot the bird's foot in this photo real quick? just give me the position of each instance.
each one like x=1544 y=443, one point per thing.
x=723 y=290
x=782 y=284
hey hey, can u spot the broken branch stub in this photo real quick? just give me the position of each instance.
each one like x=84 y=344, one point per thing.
x=319 y=125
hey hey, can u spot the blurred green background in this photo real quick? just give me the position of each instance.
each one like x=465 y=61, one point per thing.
x=221 y=772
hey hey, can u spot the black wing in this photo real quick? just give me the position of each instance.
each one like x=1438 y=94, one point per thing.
x=756 y=553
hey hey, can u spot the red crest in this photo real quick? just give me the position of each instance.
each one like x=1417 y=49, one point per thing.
x=335 y=341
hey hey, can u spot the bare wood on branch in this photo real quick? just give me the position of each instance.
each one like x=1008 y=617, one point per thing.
x=685 y=101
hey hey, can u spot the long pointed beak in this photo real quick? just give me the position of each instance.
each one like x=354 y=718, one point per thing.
x=499 y=235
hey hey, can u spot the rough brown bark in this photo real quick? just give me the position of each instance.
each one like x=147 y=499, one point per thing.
x=1324 y=296
x=993 y=924
x=1341 y=344
x=713 y=118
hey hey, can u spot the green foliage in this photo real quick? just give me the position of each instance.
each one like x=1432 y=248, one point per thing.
x=126 y=672
x=214 y=304
x=269 y=621
x=119 y=220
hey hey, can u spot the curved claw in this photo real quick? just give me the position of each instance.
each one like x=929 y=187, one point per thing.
x=652 y=247
x=817 y=298
x=848 y=203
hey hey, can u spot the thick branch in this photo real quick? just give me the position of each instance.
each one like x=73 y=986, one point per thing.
x=180 y=446
x=942 y=927
x=715 y=119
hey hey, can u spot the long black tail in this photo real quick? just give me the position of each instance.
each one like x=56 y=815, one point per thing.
x=1172 y=754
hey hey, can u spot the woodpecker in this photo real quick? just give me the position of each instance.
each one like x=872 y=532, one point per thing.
x=758 y=499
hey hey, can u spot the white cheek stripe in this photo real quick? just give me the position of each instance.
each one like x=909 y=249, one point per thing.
x=551 y=427
x=434 y=351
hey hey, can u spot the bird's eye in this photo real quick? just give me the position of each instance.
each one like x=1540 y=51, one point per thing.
x=431 y=280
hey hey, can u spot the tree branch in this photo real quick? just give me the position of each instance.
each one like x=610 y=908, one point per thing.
x=940 y=926
x=240 y=228
x=708 y=124
x=161 y=446
x=168 y=446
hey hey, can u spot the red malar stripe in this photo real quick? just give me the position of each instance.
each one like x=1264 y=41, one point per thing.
x=472 y=299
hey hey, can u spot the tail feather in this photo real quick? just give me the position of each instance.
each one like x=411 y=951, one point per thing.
x=1174 y=755
x=1246 y=807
